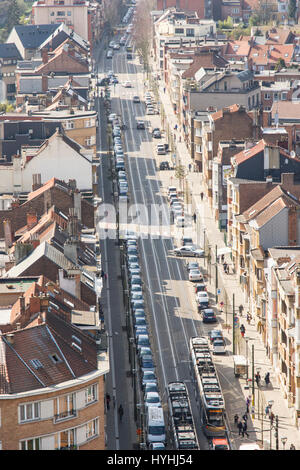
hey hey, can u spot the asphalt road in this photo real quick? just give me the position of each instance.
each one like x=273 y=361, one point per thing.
x=171 y=311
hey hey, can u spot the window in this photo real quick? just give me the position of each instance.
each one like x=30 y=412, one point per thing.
x=225 y=86
x=92 y=429
x=179 y=31
x=90 y=141
x=69 y=13
x=29 y=412
x=30 y=444
x=67 y=439
x=91 y=394
x=89 y=122
x=65 y=407
x=61 y=13
x=284 y=95
x=52 y=13
x=69 y=125
x=198 y=149
x=267 y=96
x=235 y=11
x=190 y=32
x=275 y=97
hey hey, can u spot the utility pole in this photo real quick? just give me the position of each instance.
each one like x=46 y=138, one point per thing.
x=276 y=433
x=253 y=391
x=233 y=326
x=216 y=275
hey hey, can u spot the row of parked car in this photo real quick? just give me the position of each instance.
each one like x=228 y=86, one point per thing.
x=176 y=206
x=149 y=381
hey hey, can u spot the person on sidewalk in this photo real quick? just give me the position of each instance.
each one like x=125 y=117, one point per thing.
x=267 y=378
x=292 y=447
x=244 y=429
x=272 y=417
x=249 y=318
x=257 y=378
x=243 y=330
x=225 y=267
x=267 y=411
x=236 y=419
x=201 y=195
x=247 y=404
x=240 y=427
x=241 y=308
x=245 y=416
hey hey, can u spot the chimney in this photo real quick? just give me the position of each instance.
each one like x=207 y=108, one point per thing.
x=18 y=326
x=10 y=338
x=45 y=57
x=73 y=226
x=7 y=234
x=31 y=219
x=269 y=179
x=22 y=304
x=77 y=203
x=44 y=83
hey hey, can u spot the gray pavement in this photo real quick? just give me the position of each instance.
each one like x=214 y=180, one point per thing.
x=258 y=423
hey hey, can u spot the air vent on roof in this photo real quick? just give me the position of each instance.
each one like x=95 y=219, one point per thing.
x=54 y=358
x=76 y=347
x=76 y=339
x=36 y=363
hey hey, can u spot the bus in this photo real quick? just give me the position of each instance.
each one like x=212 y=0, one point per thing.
x=208 y=388
x=155 y=425
x=180 y=417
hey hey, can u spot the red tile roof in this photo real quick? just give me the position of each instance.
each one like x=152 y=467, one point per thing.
x=266 y=54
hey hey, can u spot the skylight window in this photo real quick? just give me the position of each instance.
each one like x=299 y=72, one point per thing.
x=36 y=363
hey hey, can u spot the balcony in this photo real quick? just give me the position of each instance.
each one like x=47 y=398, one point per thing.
x=64 y=415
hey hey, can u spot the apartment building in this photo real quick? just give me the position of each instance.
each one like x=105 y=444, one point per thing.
x=74 y=13
x=220 y=125
x=9 y=55
x=204 y=8
x=59 y=403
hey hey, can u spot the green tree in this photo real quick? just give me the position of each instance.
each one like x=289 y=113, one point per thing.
x=292 y=7
x=280 y=64
x=14 y=14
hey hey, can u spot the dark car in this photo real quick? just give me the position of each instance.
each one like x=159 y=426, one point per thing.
x=208 y=316
x=164 y=166
x=104 y=82
x=156 y=134
x=129 y=55
x=140 y=125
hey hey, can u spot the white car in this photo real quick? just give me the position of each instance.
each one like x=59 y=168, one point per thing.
x=195 y=275
x=201 y=295
x=127 y=84
x=218 y=346
x=152 y=399
x=180 y=221
x=188 y=251
x=112 y=116
x=150 y=111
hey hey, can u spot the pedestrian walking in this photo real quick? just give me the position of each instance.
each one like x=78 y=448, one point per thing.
x=102 y=273
x=244 y=429
x=257 y=378
x=267 y=378
x=105 y=276
x=243 y=330
x=121 y=412
x=190 y=166
x=247 y=404
x=194 y=217
x=164 y=90
x=241 y=308
x=292 y=447
x=222 y=258
x=201 y=195
x=236 y=419
x=225 y=267
x=240 y=427
x=107 y=400
x=249 y=318
x=271 y=416
x=245 y=416
x=267 y=410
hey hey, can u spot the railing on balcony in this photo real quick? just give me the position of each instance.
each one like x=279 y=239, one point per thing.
x=65 y=415
x=70 y=447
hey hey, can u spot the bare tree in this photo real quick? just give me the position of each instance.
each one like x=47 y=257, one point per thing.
x=142 y=30
x=112 y=12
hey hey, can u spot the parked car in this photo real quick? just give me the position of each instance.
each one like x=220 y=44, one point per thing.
x=156 y=134
x=208 y=316
x=202 y=295
x=151 y=387
x=136 y=99
x=111 y=117
x=137 y=304
x=140 y=125
x=136 y=279
x=215 y=334
x=218 y=346
x=192 y=265
x=157 y=446
x=164 y=166
x=160 y=149
x=200 y=287
x=188 y=251
x=147 y=363
x=152 y=399
x=202 y=304
x=147 y=377
x=195 y=275
x=143 y=340
x=150 y=111
x=127 y=84
x=145 y=351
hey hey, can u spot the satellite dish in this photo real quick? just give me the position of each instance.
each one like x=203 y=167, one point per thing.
x=293 y=154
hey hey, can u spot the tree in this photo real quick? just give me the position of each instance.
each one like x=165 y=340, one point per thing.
x=280 y=64
x=292 y=7
x=142 y=30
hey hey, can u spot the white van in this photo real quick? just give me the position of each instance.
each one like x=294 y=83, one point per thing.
x=155 y=425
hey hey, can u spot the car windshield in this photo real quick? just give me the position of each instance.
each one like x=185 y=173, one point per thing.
x=152 y=400
x=156 y=430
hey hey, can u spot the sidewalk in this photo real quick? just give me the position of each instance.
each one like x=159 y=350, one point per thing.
x=205 y=229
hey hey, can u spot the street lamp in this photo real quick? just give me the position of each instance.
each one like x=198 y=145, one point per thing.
x=283 y=440
x=247 y=375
